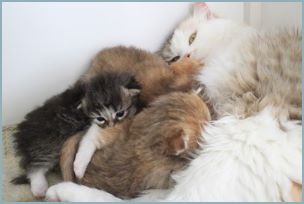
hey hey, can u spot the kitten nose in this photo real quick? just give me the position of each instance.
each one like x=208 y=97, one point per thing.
x=111 y=124
x=188 y=55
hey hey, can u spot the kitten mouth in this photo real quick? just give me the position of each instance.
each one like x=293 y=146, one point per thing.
x=111 y=124
x=101 y=125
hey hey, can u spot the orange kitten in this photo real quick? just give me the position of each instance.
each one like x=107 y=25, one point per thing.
x=147 y=148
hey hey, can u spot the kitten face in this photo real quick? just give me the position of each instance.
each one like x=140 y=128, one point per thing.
x=110 y=98
x=184 y=40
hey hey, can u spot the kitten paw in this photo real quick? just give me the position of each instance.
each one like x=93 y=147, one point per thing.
x=72 y=192
x=39 y=192
x=60 y=192
x=39 y=187
x=51 y=195
x=79 y=168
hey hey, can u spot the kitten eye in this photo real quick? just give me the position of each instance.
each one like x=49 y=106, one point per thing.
x=121 y=114
x=174 y=59
x=192 y=38
x=101 y=120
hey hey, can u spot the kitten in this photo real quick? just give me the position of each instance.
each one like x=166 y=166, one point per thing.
x=153 y=75
x=148 y=148
x=106 y=99
x=150 y=70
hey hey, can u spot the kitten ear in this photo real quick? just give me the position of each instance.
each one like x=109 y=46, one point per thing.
x=81 y=86
x=132 y=88
x=82 y=105
x=177 y=142
x=202 y=11
x=130 y=92
x=134 y=92
x=133 y=84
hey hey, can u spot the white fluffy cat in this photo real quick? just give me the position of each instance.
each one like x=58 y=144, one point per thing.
x=253 y=151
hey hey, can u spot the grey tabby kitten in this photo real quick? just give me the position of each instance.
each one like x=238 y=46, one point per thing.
x=106 y=99
x=110 y=97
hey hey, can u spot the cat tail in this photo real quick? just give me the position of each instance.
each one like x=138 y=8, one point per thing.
x=67 y=156
x=22 y=179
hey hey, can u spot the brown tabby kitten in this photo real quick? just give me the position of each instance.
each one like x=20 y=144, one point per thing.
x=153 y=76
x=152 y=72
x=147 y=148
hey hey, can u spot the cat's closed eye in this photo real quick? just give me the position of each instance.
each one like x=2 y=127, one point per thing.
x=174 y=59
x=121 y=114
x=192 y=38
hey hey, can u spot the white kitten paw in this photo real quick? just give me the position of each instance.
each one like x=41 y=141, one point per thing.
x=51 y=194
x=72 y=192
x=39 y=192
x=80 y=166
x=39 y=187
x=61 y=192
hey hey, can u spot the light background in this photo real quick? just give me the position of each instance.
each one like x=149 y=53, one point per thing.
x=46 y=46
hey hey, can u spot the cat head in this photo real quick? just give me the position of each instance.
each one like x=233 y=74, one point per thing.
x=171 y=124
x=189 y=34
x=183 y=134
x=111 y=97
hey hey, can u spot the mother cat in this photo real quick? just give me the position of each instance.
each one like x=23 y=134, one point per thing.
x=253 y=151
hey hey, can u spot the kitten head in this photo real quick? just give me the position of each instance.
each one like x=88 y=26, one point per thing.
x=189 y=34
x=111 y=97
x=172 y=124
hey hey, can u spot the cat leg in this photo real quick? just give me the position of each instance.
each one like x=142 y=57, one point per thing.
x=38 y=182
x=71 y=192
x=87 y=147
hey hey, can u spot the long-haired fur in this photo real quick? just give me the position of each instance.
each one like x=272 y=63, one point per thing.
x=147 y=149
x=39 y=137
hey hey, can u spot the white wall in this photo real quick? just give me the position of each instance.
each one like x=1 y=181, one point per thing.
x=46 y=46
x=267 y=16
x=281 y=14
